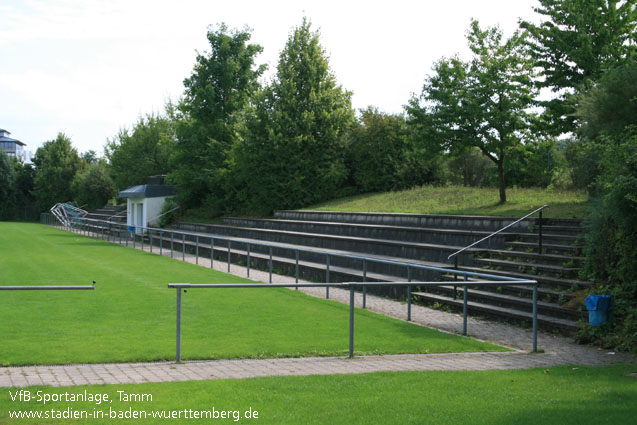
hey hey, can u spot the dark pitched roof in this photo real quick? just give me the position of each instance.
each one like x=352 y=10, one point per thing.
x=147 y=191
x=9 y=139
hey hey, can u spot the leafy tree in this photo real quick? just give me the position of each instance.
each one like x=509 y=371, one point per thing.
x=89 y=157
x=93 y=186
x=7 y=187
x=56 y=163
x=576 y=44
x=24 y=186
x=142 y=151
x=483 y=103
x=609 y=130
x=292 y=153
x=216 y=93
x=377 y=144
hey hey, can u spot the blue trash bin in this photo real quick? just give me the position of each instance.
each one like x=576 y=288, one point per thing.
x=600 y=309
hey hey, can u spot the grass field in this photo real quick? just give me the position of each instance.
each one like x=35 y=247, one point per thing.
x=560 y=395
x=130 y=316
x=464 y=200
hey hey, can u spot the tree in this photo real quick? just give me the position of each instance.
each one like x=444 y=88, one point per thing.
x=56 y=163
x=579 y=41
x=220 y=87
x=608 y=137
x=377 y=144
x=7 y=187
x=93 y=186
x=483 y=103
x=142 y=151
x=292 y=152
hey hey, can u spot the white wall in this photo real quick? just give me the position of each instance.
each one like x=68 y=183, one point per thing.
x=151 y=209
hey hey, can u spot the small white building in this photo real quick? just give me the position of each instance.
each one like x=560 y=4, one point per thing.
x=145 y=202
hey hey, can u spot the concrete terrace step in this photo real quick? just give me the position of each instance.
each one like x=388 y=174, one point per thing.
x=492 y=297
x=519 y=291
x=544 y=321
x=368 y=246
x=550 y=259
x=549 y=238
x=558 y=271
x=286 y=253
x=564 y=249
x=386 y=232
x=442 y=221
x=547 y=281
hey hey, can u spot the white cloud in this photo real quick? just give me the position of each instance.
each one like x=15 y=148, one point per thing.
x=92 y=66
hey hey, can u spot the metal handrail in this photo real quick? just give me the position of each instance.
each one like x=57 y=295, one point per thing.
x=501 y=230
x=351 y=286
x=315 y=251
x=46 y=288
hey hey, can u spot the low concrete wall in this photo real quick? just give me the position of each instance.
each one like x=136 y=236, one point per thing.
x=457 y=222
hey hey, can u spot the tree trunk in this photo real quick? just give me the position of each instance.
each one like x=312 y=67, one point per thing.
x=503 y=195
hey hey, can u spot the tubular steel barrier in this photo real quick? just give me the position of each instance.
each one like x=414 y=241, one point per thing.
x=45 y=288
x=140 y=231
x=136 y=232
x=351 y=286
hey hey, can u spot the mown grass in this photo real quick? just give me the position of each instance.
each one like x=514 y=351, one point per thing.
x=464 y=200
x=130 y=316
x=559 y=395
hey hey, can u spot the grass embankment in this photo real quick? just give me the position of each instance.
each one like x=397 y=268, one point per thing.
x=560 y=395
x=130 y=316
x=464 y=200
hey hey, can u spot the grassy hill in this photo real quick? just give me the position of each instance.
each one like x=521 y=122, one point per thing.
x=464 y=200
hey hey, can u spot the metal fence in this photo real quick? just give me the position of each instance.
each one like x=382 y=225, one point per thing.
x=124 y=235
x=351 y=286
x=137 y=235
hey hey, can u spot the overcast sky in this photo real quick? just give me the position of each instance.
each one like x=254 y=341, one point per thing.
x=89 y=67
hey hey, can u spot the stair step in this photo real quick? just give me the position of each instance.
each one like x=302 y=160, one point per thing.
x=387 y=232
x=544 y=321
x=550 y=281
x=513 y=301
x=515 y=265
x=546 y=246
x=553 y=259
x=549 y=238
x=542 y=292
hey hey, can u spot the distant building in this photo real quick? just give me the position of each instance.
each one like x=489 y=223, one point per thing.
x=145 y=202
x=12 y=147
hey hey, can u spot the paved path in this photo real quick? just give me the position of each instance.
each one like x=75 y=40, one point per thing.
x=557 y=351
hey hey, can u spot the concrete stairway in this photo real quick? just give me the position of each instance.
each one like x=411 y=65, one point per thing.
x=415 y=239
x=116 y=213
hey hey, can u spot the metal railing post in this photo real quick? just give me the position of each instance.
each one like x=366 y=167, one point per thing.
x=212 y=252
x=150 y=240
x=270 y=264
x=197 y=249
x=455 y=276
x=540 y=239
x=535 y=318
x=327 y=276
x=172 y=239
x=229 y=245
x=351 y=321
x=161 y=243
x=134 y=236
x=248 y=260
x=183 y=247
x=464 y=308
x=141 y=237
x=296 y=268
x=364 y=286
x=178 y=354
x=409 y=294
